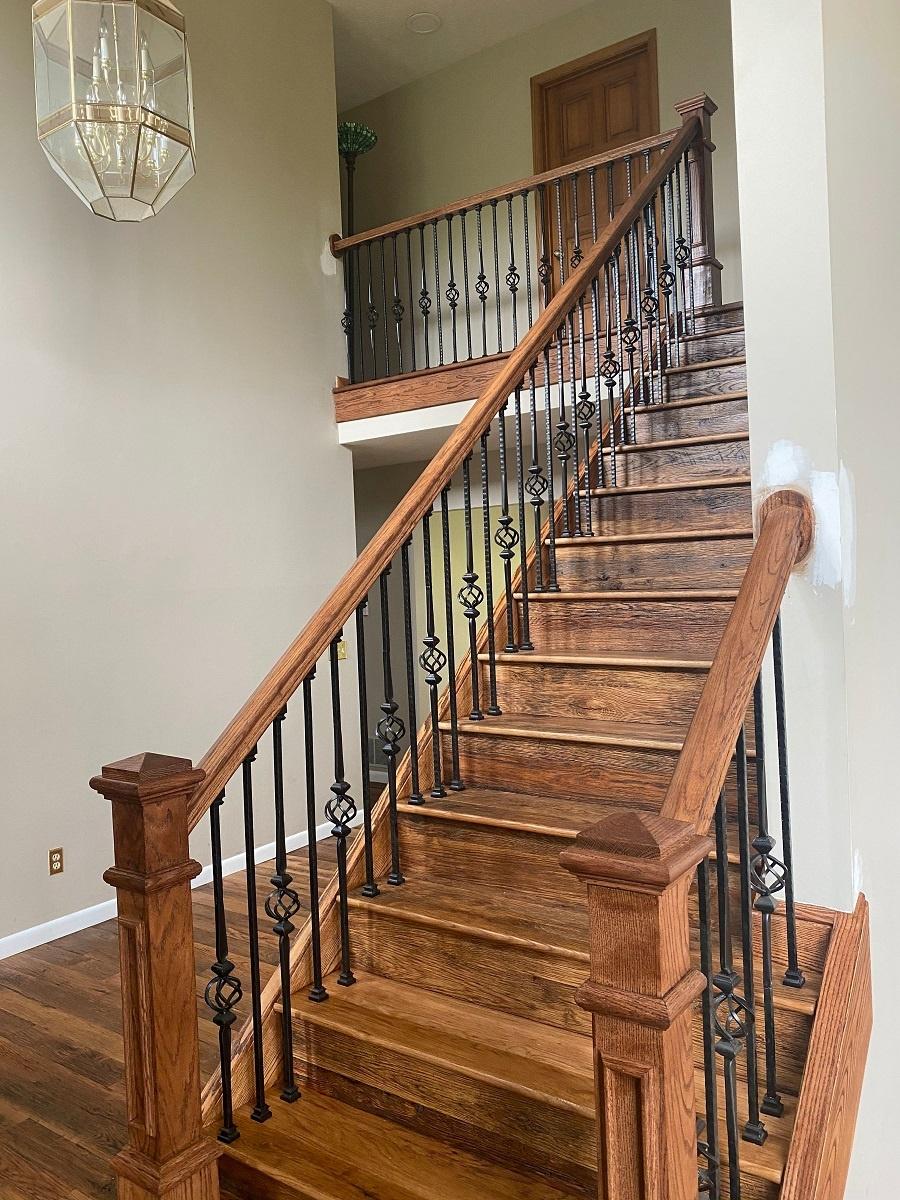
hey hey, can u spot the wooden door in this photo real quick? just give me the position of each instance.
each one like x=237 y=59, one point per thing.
x=588 y=107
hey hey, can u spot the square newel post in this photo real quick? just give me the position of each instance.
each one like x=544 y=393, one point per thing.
x=707 y=268
x=638 y=868
x=167 y=1154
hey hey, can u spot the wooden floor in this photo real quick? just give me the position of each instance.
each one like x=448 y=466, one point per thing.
x=62 y=1113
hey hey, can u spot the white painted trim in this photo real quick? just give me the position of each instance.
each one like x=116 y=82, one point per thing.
x=50 y=931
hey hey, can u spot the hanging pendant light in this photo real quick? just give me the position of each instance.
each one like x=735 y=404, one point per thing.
x=114 y=105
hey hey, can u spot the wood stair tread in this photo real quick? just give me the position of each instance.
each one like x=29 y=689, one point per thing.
x=725 y=331
x=656 y=661
x=323 y=1149
x=700 y=593
x=734 y=360
x=649 y=735
x=523 y=811
x=633 y=539
x=690 y=402
x=513 y=918
x=760 y=1162
x=700 y=439
x=527 y=1057
x=675 y=485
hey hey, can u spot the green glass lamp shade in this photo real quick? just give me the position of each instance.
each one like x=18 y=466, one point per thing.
x=355 y=139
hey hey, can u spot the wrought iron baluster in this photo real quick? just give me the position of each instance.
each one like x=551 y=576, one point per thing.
x=416 y=796
x=317 y=992
x=411 y=293
x=609 y=369
x=224 y=991
x=347 y=315
x=282 y=905
x=545 y=268
x=668 y=278
x=565 y=439
x=620 y=348
x=341 y=810
x=525 y=642
x=437 y=292
x=729 y=1013
x=385 y=310
x=456 y=783
x=482 y=287
x=529 y=294
x=390 y=728
x=506 y=537
x=424 y=298
x=630 y=340
x=493 y=708
x=794 y=977
x=536 y=487
x=261 y=1111
x=584 y=413
x=370 y=887
x=552 y=584
x=497 y=276
x=577 y=253
x=432 y=660
x=357 y=301
x=688 y=204
x=595 y=318
x=754 y=1130
x=397 y=309
x=466 y=284
x=639 y=385
x=372 y=314
x=682 y=253
x=453 y=292
x=513 y=278
x=662 y=361
x=470 y=594
x=708 y=1146
x=767 y=880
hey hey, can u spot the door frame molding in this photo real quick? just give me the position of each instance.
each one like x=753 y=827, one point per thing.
x=580 y=66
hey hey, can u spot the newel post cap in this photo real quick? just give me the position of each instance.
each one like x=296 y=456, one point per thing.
x=146 y=777
x=636 y=850
x=696 y=106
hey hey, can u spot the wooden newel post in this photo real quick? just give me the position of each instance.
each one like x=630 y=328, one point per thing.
x=167 y=1154
x=707 y=268
x=638 y=868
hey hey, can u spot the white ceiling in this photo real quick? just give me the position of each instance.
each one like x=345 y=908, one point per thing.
x=376 y=53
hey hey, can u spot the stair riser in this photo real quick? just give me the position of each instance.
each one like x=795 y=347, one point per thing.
x=431 y=1093
x=662 y=512
x=706 y=381
x=534 y=764
x=725 y=318
x=675 y=463
x=659 y=423
x=711 y=345
x=653 y=566
x=692 y=628
x=604 y=693
x=505 y=976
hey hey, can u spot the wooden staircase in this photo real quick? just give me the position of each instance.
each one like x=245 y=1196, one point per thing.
x=459 y=1064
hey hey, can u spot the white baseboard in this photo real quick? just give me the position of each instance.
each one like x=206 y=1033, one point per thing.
x=50 y=931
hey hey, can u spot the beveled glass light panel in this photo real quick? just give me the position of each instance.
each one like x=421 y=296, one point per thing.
x=114 y=105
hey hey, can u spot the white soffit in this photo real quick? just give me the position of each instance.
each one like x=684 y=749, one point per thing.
x=376 y=52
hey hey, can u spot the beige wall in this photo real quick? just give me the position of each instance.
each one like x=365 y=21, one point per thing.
x=468 y=127
x=818 y=102
x=175 y=502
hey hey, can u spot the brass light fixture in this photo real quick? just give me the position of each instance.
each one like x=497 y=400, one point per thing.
x=114 y=104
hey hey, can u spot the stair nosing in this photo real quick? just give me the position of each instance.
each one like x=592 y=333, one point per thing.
x=703 y=439
x=599 y=660
x=690 y=402
x=705 y=333
x=732 y=360
x=486 y=729
x=680 y=595
x=636 y=539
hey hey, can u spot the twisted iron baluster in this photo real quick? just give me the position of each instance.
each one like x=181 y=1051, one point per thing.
x=545 y=269
x=456 y=783
x=411 y=294
x=513 y=278
x=224 y=991
x=282 y=905
x=482 y=287
x=493 y=708
x=452 y=289
x=437 y=292
x=525 y=642
x=397 y=308
x=468 y=294
x=261 y=1111
x=432 y=660
x=341 y=810
x=372 y=313
x=347 y=315
x=424 y=298
x=370 y=887
x=317 y=992
x=384 y=309
x=470 y=594
x=794 y=977
x=729 y=1013
x=708 y=1147
x=497 y=276
x=688 y=204
x=536 y=487
x=754 y=1130
x=564 y=440
x=416 y=796
x=610 y=370
x=506 y=537
x=552 y=585
x=390 y=728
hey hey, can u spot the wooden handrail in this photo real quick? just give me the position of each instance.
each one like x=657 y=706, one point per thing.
x=785 y=537
x=657 y=141
x=301 y=657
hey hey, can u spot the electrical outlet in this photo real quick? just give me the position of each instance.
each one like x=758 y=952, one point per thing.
x=342 y=651
x=57 y=864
